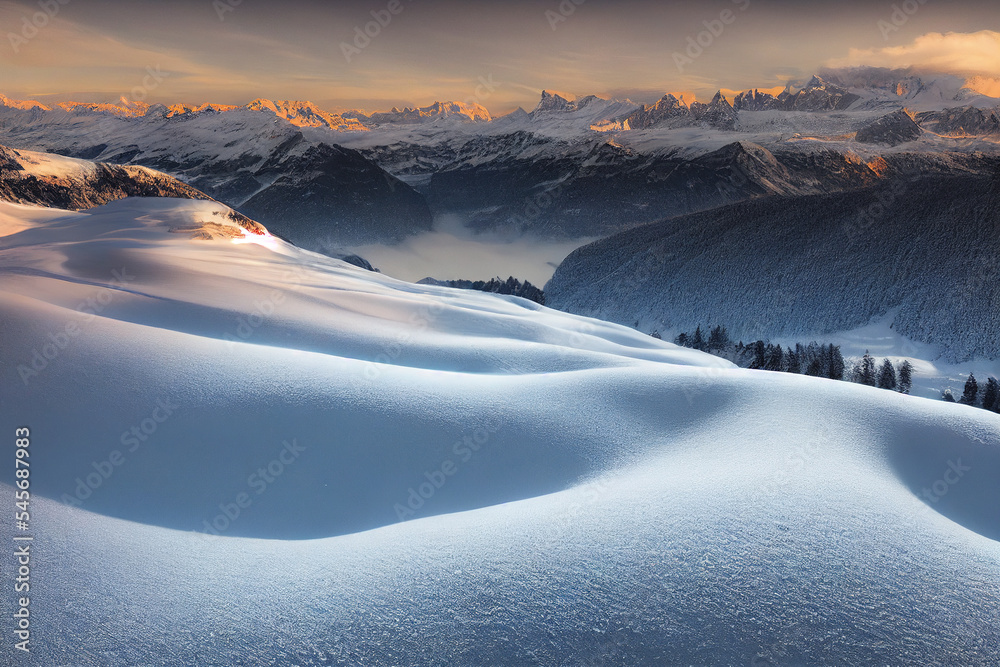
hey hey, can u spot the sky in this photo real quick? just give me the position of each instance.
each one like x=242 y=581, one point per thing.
x=377 y=54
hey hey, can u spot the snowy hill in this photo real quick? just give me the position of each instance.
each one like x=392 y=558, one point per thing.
x=920 y=250
x=51 y=180
x=574 y=492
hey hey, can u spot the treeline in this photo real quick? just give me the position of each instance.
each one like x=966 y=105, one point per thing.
x=884 y=376
x=986 y=397
x=813 y=359
x=511 y=286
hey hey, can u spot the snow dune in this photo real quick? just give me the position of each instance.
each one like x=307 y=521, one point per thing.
x=574 y=492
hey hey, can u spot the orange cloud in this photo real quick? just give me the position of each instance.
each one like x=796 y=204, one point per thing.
x=954 y=52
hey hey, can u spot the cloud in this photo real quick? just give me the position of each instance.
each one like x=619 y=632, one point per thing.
x=453 y=252
x=953 y=52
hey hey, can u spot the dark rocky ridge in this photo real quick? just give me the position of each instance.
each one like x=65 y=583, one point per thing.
x=672 y=112
x=961 y=121
x=891 y=130
x=107 y=183
x=817 y=95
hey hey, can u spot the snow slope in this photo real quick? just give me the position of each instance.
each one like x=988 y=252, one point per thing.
x=577 y=493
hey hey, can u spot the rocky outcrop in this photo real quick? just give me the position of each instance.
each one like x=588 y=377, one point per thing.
x=817 y=95
x=718 y=113
x=31 y=178
x=961 y=121
x=666 y=110
x=891 y=130
x=671 y=111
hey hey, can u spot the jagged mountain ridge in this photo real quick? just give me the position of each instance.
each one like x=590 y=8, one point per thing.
x=308 y=189
x=567 y=168
x=530 y=183
x=817 y=95
x=719 y=113
x=893 y=129
x=462 y=111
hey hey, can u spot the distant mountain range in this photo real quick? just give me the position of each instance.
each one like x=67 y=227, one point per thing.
x=567 y=169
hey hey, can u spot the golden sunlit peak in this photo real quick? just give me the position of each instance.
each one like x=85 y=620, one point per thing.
x=22 y=104
x=125 y=107
x=181 y=109
x=306 y=114
x=984 y=85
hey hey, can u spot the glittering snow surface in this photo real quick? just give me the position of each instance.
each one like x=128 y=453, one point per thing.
x=574 y=492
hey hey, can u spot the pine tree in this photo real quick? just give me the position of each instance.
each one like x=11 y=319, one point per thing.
x=887 y=376
x=775 y=358
x=864 y=370
x=698 y=342
x=815 y=368
x=947 y=396
x=759 y=355
x=682 y=340
x=971 y=391
x=836 y=365
x=718 y=339
x=905 y=377
x=991 y=394
x=792 y=363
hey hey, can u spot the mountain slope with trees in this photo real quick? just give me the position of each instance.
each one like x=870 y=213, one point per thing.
x=923 y=252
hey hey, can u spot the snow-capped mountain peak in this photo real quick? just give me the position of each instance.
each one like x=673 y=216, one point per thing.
x=466 y=112
x=306 y=114
x=553 y=102
x=123 y=108
x=24 y=105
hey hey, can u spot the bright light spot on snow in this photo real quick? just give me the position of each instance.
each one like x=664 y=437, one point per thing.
x=266 y=240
